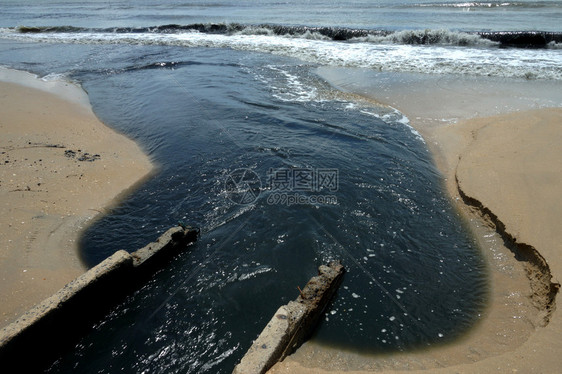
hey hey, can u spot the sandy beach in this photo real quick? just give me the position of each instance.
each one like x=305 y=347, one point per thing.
x=498 y=150
x=60 y=167
x=497 y=146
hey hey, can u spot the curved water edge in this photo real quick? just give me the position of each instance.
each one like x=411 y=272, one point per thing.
x=543 y=288
x=540 y=298
x=272 y=116
x=390 y=119
x=285 y=115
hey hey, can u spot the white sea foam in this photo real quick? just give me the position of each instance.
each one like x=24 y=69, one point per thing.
x=255 y=273
x=55 y=77
x=285 y=85
x=294 y=89
x=433 y=59
x=439 y=37
x=395 y=116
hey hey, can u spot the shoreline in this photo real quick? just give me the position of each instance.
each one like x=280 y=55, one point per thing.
x=458 y=118
x=74 y=173
x=60 y=168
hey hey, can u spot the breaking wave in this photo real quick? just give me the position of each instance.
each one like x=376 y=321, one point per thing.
x=418 y=51
x=522 y=39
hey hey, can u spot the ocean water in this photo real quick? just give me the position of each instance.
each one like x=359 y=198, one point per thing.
x=279 y=170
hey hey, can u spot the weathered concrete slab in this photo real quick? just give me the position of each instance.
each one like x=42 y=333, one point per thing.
x=45 y=331
x=155 y=255
x=33 y=320
x=293 y=323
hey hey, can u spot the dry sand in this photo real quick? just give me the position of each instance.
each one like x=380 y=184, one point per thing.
x=501 y=159
x=59 y=168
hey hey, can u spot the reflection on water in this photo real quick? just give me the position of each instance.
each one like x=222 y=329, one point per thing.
x=414 y=277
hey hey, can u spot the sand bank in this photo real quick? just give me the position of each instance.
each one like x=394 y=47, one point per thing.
x=499 y=153
x=59 y=168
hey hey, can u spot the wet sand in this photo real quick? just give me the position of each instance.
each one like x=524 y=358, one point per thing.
x=60 y=167
x=496 y=143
